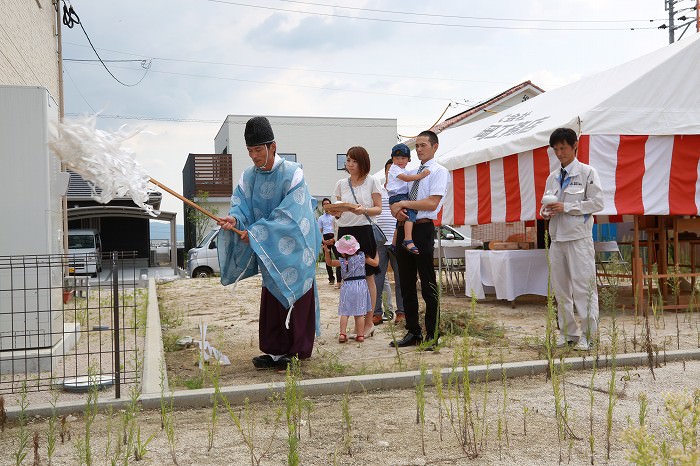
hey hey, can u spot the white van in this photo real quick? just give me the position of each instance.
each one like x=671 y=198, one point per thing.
x=202 y=260
x=84 y=252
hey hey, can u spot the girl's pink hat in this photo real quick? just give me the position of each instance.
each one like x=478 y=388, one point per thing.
x=347 y=244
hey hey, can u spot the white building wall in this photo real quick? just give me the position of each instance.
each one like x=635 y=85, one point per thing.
x=316 y=141
x=28 y=45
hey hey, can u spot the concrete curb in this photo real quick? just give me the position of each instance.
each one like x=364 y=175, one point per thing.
x=363 y=383
x=153 y=357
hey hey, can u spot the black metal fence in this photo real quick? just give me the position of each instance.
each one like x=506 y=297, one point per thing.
x=62 y=329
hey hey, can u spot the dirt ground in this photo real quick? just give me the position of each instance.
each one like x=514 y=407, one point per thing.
x=380 y=428
x=501 y=332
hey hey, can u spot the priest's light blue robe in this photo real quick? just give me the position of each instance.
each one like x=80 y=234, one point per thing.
x=283 y=246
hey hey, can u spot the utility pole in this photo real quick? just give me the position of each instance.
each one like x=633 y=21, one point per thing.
x=671 y=12
x=685 y=21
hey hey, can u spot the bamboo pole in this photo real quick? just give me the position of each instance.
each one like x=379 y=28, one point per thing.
x=190 y=203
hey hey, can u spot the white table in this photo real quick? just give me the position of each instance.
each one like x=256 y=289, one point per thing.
x=509 y=273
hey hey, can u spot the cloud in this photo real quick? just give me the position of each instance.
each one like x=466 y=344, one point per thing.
x=313 y=33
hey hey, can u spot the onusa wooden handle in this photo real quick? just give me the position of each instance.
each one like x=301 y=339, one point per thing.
x=190 y=203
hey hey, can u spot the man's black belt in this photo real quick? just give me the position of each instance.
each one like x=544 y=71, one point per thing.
x=420 y=220
x=349 y=279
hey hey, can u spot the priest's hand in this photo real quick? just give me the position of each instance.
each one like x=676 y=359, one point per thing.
x=227 y=223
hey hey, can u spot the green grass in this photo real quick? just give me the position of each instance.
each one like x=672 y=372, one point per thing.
x=467 y=323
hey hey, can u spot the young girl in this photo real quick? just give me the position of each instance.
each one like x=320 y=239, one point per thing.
x=354 y=294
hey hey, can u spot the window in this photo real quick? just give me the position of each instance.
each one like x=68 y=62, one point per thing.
x=290 y=157
x=340 y=161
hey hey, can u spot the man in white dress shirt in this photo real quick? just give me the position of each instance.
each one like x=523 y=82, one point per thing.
x=425 y=196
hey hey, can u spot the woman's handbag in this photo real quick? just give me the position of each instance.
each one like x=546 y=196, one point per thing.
x=379 y=236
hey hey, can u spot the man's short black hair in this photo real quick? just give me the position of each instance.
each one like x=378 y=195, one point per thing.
x=566 y=135
x=432 y=137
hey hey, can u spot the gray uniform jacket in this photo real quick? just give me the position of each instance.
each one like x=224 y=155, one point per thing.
x=582 y=196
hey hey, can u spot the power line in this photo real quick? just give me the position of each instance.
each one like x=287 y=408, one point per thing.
x=103 y=61
x=304 y=86
x=71 y=18
x=281 y=68
x=146 y=118
x=354 y=124
x=77 y=89
x=424 y=23
x=484 y=18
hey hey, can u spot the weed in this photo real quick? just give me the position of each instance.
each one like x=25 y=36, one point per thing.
x=51 y=433
x=170 y=318
x=141 y=447
x=504 y=412
x=22 y=432
x=392 y=329
x=214 y=377
x=643 y=406
x=591 y=395
x=293 y=400
x=167 y=419
x=3 y=411
x=247 y=429
x=129 y=426
x=108 y=445
x=328 y=365
x=483 y=427
x=347 y=424
x=678 y=444
x=170 y=342
x=195 y=382
x=83 y=447
x=65 y=430
x=420 y=406
x=458 y=402
x=612 y=398
x=469 y=323
x=437 y=381
x=36 y=449
x=170 y=429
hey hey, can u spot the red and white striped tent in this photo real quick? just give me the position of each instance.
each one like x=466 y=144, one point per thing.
x=640 y=128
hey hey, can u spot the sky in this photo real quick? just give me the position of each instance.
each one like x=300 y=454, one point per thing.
x=402 y=59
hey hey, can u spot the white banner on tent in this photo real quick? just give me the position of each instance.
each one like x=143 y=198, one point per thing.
x=649 y=175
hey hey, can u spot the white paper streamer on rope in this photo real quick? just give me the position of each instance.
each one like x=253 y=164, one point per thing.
x=101 y=158
x=208 y=351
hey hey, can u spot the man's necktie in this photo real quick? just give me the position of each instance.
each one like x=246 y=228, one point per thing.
x=562 y=176
x=413 y=194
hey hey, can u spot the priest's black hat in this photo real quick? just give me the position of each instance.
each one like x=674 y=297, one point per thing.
x=258 y=132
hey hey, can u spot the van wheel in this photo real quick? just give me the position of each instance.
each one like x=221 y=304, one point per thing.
x=201 y=272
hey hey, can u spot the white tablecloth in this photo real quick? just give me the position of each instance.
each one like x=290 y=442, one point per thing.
x=510 y=273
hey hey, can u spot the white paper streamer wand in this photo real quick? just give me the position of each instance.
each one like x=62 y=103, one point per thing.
x=101 y=159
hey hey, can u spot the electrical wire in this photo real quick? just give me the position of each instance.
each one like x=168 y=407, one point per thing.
x=77 y=89
x=71 y=18
x=303 y=86
x=431 y=126
x=355 y=124
x=424 y=23
x=281 y=68
x=484 y=18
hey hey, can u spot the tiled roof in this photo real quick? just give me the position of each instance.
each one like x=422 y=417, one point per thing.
x=79 y=190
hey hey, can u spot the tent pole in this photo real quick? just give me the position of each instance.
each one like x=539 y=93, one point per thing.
x=676 y=263
x=663 y=255
x=637 y=281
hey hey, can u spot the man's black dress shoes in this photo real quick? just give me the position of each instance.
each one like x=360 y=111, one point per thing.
x=408 y=340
